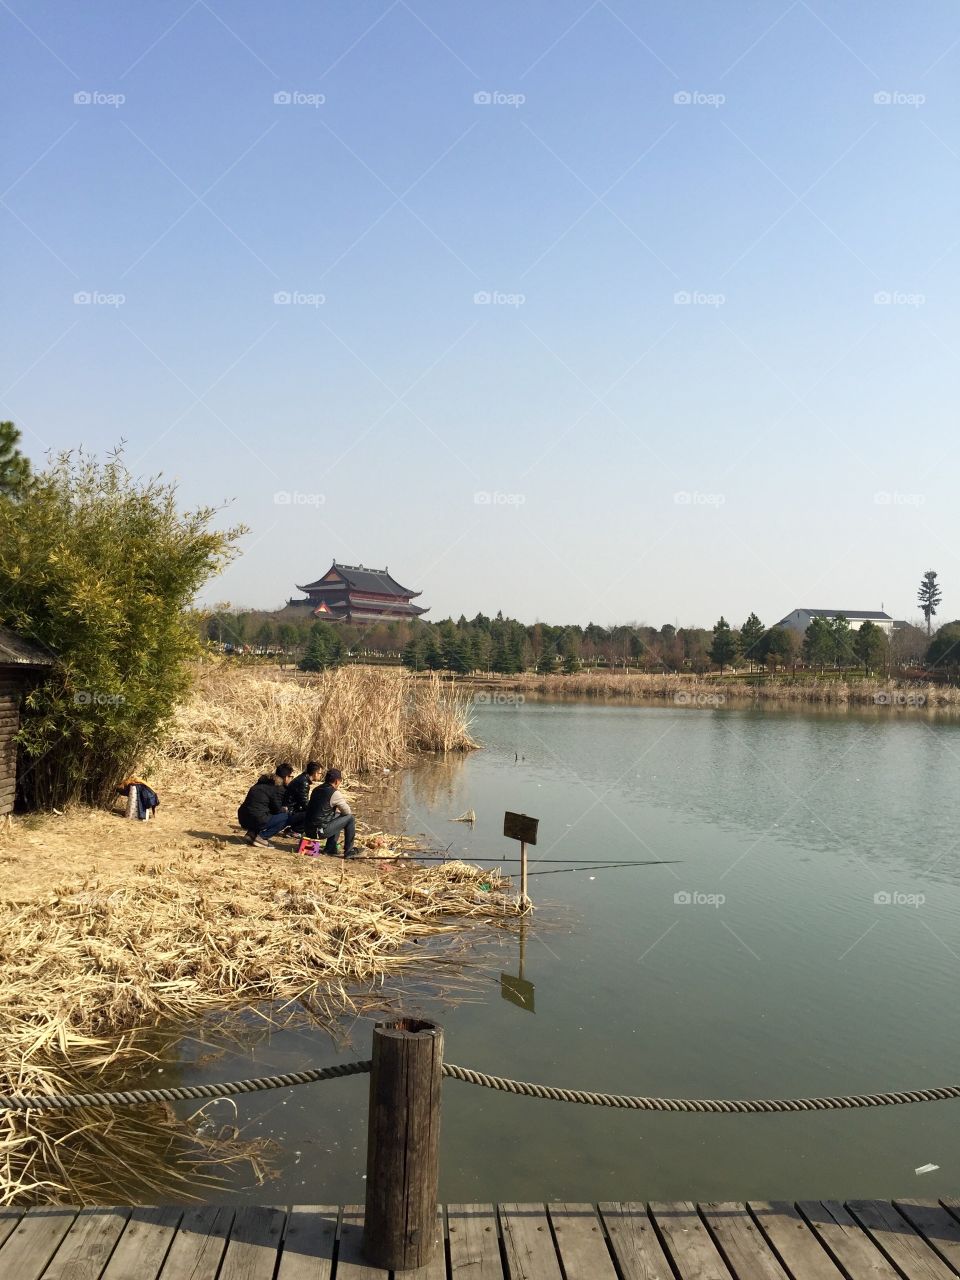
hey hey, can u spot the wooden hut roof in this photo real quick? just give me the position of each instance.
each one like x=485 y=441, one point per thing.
x=15 y=651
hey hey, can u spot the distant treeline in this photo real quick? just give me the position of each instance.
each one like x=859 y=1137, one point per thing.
x=508 y=646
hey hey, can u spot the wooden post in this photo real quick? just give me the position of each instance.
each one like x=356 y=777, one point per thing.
x=520 y=826
x=400 y=1229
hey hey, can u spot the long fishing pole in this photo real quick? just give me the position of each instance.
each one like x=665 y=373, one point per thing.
x=602 y=866
x=649 y=862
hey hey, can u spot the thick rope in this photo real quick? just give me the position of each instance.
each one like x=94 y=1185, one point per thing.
x=523 y=1088
x=183 y=1093
x=722 y=1106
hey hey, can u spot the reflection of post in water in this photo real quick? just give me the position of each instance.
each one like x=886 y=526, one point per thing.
x=516 y=989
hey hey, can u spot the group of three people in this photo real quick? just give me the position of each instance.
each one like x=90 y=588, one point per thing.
x=299 y=803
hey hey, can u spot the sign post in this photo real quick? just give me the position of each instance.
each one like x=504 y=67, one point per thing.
x=519 y=826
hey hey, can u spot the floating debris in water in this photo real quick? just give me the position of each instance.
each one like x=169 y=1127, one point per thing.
x=470 y=816
x=927 y=1168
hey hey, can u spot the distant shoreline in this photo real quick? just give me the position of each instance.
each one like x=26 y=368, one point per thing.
x=715 y=690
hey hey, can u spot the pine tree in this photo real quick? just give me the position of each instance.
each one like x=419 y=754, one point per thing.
x=870 y=646
x=778 y=645
x=818 y=643
x=14 y=467
x=455 y=648
x=751 y=634
x=323 y=648
x=723 y=649
x=928 y=597
x=843 y=650
x=414 y=654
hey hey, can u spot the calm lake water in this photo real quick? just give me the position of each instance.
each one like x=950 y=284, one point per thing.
x=802 y=937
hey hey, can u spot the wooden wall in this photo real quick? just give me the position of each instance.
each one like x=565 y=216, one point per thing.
x=11 y=691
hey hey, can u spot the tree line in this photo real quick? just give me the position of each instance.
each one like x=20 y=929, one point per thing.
x=508 y=646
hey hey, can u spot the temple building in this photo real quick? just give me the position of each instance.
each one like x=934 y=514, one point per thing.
x=353 y=593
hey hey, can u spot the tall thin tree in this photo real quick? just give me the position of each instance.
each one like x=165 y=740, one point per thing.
x=928 y=597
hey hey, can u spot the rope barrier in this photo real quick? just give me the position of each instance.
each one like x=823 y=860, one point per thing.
x=522 y=1088
x=722 y=1106
x=182 y=1093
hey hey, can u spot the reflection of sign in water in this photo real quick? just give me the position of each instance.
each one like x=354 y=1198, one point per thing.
x=516 y=989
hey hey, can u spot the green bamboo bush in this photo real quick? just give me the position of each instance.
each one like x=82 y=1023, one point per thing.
x=100 y=569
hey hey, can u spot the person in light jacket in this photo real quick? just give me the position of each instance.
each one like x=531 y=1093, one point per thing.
x=328 y=813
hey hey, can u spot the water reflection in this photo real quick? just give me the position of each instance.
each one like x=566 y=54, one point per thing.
x=418 y=801
x=516 y=988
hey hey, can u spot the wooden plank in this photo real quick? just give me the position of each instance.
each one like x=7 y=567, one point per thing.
x=9 y=1218
x=350 y=1262
x=29 y=1248
x=436 y=1268
x=580 y=1242
x=310 y=1243
x=634 y=1242
x=940 y=1230
x=254 y=1240
x=528 y=1243
x=199 y=1245
x=852 y=1250
x=742 y=1244
x=800 y=1250
x=688 y=1242
x=908 y=1252
x=88 y=1244
x=474 y=1242
x=144 y=1245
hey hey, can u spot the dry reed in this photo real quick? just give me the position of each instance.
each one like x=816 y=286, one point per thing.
x=93 y=960
x=693 y=690
x=87 y=966
x=359 y=718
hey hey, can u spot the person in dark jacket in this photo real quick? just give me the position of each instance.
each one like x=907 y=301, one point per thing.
x=262 y=813
x=328 y=813
x=297 y=795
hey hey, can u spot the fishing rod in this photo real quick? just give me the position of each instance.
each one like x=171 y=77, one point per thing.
x=604 y=866
x=649 y=862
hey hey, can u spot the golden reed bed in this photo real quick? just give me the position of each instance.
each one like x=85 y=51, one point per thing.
x=110 y=928
x=692 y=690
x=362 y=719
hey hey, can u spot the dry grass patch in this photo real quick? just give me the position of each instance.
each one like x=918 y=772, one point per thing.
x=359 y=718
x=95 y=959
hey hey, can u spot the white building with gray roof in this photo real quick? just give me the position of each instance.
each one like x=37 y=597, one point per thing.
x=800 y=619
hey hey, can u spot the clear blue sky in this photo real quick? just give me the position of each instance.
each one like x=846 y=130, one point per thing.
x=811 y=428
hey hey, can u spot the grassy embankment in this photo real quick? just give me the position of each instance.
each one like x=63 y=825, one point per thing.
x=109 y=927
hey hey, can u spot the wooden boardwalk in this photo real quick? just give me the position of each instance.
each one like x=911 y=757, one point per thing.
x=811 y=1240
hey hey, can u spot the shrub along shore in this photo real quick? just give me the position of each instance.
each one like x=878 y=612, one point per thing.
x=110 y=928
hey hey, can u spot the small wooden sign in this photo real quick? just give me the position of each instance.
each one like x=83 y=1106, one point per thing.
x=518 y=826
